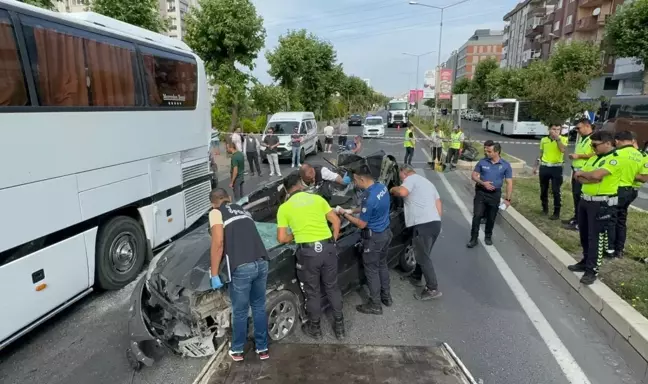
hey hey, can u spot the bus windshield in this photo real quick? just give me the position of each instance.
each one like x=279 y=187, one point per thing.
x=283 y=127
x=398 y=106
x=524 y=112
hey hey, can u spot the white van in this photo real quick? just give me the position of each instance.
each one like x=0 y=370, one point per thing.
x=283 y=124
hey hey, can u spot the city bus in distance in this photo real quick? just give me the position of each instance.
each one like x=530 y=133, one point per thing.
x=629 y=113
x=512 y=117
x=104 y=153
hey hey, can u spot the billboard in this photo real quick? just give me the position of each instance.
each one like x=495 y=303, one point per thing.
x=415 y=95
x=445 y=84
x=428 y=84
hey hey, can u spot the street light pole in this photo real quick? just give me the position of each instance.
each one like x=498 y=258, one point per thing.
x=436 y=81
x=418 y=58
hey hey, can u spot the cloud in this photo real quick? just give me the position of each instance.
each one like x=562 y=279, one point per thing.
x=370 y=35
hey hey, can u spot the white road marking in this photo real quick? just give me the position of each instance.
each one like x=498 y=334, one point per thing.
x=570 y=368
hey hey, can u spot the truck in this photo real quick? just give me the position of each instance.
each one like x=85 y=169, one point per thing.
x=397 y=113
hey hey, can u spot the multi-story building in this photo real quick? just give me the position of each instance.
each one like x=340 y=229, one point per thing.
x=526 y=25
x=483 y=44
x=173 y=10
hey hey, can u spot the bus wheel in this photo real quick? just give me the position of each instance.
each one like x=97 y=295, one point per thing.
x=502 y=130
x=487 y=125
x=121 y=252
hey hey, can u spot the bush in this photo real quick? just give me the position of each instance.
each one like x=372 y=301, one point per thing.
x=249 y=126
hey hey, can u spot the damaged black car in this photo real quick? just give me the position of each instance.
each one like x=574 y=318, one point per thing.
x=174 y=306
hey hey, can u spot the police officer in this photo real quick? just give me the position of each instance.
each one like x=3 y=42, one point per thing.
x=600 y=183
x=489 y=176
x=456 y=140
x=409 y=144
x=376 y=235
x=550 y=161
x=582 y=153
x=626 y=142
x=314 y=174
x=306 y=215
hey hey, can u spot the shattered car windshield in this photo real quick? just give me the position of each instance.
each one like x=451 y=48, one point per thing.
x=268 y=232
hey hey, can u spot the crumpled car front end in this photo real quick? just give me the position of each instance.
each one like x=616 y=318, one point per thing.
x=174 y=306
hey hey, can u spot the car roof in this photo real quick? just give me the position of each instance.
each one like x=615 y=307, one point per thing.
x=291 y=116
x=374 y=117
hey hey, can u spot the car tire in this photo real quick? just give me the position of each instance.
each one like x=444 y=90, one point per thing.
x=316 y=148
x=302 y=156
x=282 y=311
x=407 y=259
x=117 y=238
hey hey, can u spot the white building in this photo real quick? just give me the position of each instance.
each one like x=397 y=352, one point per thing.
x=174 y=10
x=367 y=81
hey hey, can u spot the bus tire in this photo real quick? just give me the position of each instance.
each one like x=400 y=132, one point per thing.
x=121 y=252
x=487 y=125
x=502 y=130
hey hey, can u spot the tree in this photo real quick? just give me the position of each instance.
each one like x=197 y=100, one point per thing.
x=462 y=85
x=305 y=65
x=626 y=33
x=508 y=83
x=142 y=13
x=47 y=4
x=226 y=33
x=268 y=99
x=577 y=62
x=479 y=90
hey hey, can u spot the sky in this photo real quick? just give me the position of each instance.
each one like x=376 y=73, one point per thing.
x=370 y=36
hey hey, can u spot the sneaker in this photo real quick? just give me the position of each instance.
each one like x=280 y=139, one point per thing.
x=472 y=243
x=271 y=174
x=428 y=294
x=292 y=166
x=387 y=301
x=555 y=216
x=578 y=267
x=488 y=240
x=588 y=278
x=236 y=356
x=370 y=308
x=279 y=174
x=263 y=355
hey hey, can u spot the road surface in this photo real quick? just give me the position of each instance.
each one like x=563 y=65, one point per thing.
x=501 y=308
x=526 y=148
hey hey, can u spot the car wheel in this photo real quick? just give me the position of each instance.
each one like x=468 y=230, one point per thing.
x=302 y=156
x=316 y=149
x=407 y=260
x=282 y=311
x=121 y=252
x=134 y=364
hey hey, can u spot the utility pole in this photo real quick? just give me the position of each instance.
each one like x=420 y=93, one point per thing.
x=418 y=59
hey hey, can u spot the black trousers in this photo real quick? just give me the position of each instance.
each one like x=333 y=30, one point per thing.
x=436 y=154
x=409 y=154
x=618 y=224
x=486 y=204
x=593 y=221
x=550 y=176
x=576 y=195
x=253 y=160
x=342 y=140
x=374 y=260
x=314 y=265
x=453 y=156
x=425 y=235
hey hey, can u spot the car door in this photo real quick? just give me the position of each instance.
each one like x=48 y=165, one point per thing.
x=311 y=128
x=350 y=270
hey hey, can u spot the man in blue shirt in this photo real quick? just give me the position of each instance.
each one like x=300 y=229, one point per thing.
x=376 y=237
x=490 y=175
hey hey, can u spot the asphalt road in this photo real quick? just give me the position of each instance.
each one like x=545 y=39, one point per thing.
x=526 y=148
x=485 y=321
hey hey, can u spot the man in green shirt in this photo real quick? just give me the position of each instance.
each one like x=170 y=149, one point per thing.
x=626 y=142
x=600 y=177
x=237 y=169
x=306 y=215
x=550 y=161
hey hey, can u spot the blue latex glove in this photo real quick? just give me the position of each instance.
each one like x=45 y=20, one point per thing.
x=216 y=282
x=346 y=179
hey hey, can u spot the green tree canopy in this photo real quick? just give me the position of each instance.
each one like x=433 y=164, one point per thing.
x=47 y=4
x=462 y=85
x=626 y=33
x=269 y=99
x=142 y=13
x=480 y=91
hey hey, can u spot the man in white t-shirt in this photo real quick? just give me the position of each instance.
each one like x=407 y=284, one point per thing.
x=423 y=211
x=236 y=139
x=328 y=138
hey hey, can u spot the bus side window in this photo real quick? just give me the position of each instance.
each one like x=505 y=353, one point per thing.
x=171 y=80
x=77 y=68
x=13 y=91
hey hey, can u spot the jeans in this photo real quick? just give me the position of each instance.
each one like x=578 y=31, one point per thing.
x=342 y=140
x=238 y=188
x=273 y=161
x=374 y=260
x=409 y=154
x=486 y=204
x=425 y=235
x=253 y=160
x=296 y=151
x=553 y=176
x=248 y=289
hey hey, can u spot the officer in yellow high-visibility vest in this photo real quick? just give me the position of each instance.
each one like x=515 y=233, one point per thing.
x=409 y=145
x=582 y=153
x=600 y=177
x=626 y=147
x=550 y=162
x=456 y=141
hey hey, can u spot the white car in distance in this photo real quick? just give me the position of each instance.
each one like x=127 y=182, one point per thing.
x=373 y=126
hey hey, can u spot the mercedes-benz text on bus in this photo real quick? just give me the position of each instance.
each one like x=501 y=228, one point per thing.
x=512 y=117
x=104 y=153
x=397 y=113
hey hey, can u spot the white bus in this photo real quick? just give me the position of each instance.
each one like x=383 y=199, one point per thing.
x=512 y=117
x=103 y=155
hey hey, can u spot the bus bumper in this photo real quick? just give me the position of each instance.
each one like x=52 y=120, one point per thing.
x=138 y=332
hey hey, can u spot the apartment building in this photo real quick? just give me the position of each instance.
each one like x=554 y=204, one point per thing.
x=483 y=44
x=173 y=10
x=524 y=34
